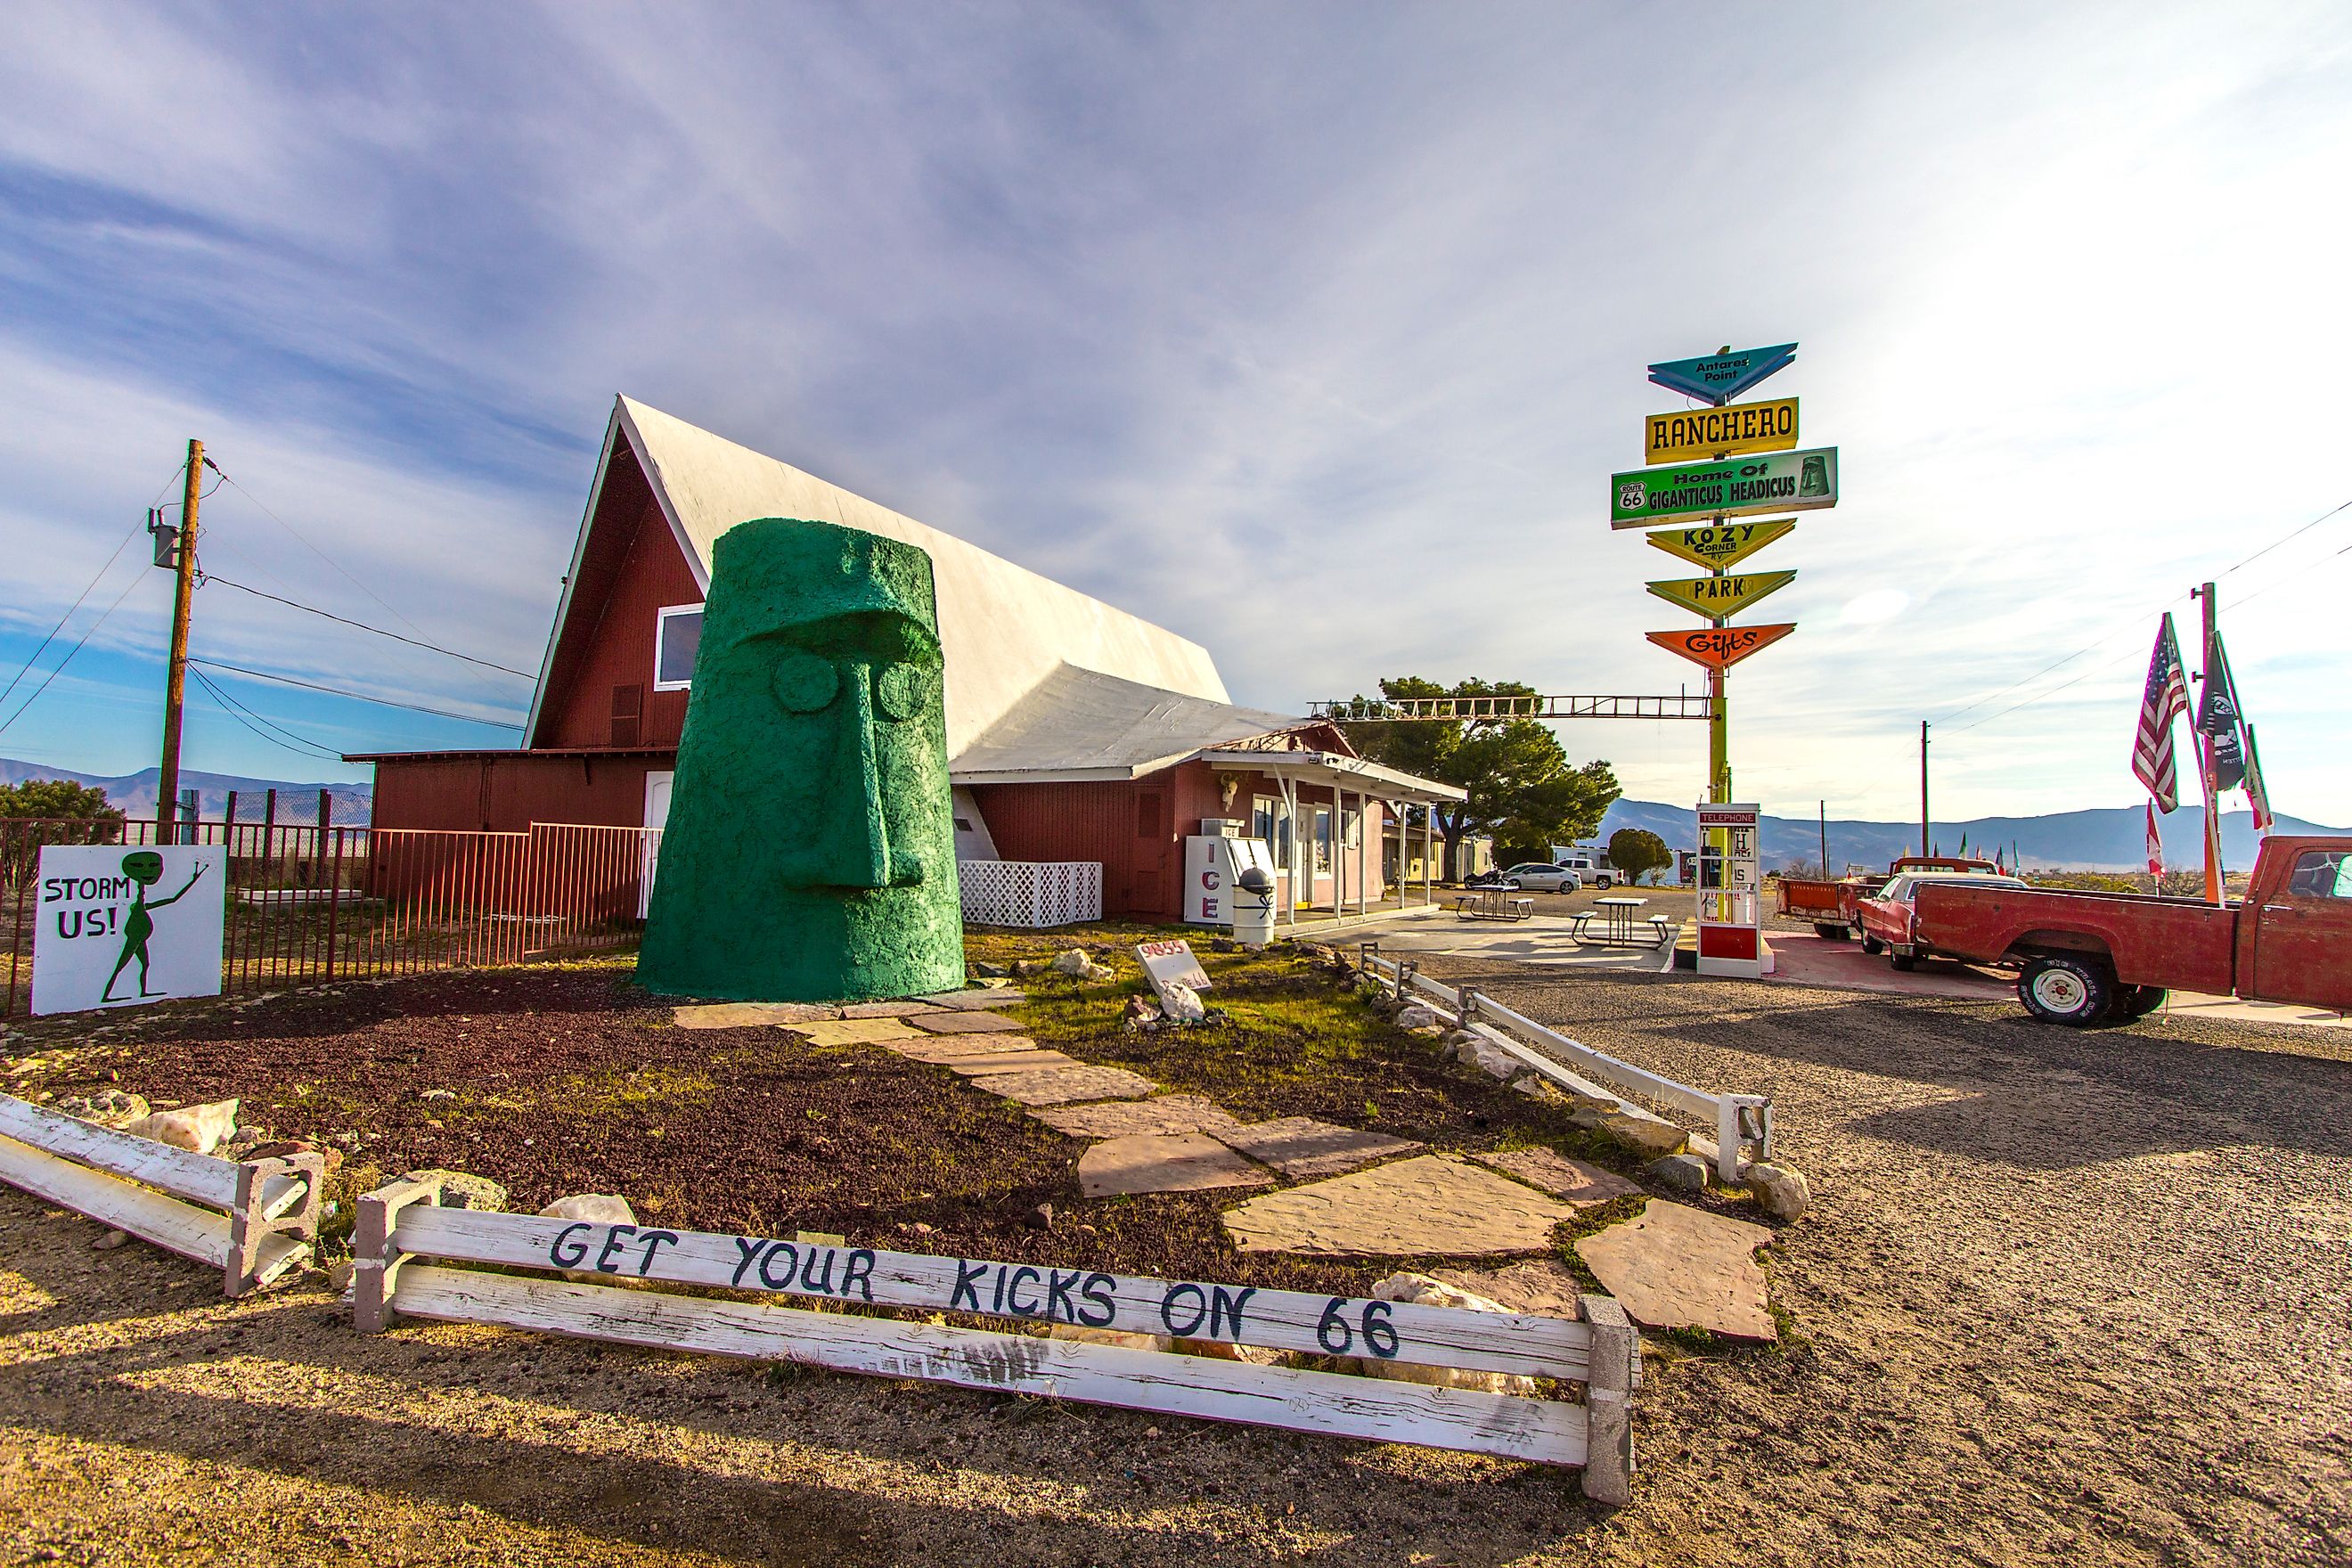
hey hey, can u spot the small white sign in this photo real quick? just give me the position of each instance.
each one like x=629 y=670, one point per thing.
x=1171 y=962
x=120 y=924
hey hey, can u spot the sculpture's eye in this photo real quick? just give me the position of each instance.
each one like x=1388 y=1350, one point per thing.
x=804 y=682
x=902 y=691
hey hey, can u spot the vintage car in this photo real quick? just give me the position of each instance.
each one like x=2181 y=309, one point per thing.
x=1888 y=917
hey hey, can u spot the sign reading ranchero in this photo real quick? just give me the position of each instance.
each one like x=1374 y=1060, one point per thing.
x=1734 y=486
x=1720 y=432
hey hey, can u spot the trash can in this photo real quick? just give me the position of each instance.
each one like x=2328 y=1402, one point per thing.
x=1253 y=908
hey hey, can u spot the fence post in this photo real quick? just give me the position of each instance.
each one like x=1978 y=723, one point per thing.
x=334 y=892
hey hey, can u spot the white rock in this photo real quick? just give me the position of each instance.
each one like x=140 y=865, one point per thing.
x=1424 y=1291
x=200 y=1129
x=1183 y=1002
x=596 y=1208
x=1781 y=1191
x=1416 y=1016
x=1678 y=1173
x=1076 y=961
x=1495 y=1061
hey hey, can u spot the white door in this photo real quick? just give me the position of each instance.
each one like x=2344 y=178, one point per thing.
x=656 y=818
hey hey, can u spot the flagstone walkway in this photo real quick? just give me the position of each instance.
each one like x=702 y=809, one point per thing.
x=1360 y=1194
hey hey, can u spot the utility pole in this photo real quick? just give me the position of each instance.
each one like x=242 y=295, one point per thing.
x=1923 y=787
x=175 y=678
x=1825 y=837
x=2215 y=892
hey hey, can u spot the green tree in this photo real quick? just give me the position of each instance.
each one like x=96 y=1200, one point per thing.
x=1636 y=852
x=50 y=811
x=1523 y=790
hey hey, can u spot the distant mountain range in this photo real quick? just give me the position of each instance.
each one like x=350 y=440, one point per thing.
x=135 y=793
x=2112 y=838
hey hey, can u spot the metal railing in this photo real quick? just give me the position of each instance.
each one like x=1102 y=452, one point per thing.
x=307 y=903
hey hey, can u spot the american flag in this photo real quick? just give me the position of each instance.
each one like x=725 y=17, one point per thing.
x=2166 y=699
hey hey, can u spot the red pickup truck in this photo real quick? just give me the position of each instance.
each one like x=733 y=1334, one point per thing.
x=1832 y=903
x=2091 y=957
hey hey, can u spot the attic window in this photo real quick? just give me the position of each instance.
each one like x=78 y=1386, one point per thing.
x=677 y=634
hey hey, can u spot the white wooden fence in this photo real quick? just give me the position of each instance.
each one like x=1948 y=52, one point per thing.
x=1742 y=1123
x=1034 y=893
x=252 y=1220
x=404 y=1243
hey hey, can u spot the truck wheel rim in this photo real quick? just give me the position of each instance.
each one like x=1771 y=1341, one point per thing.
x=2059 y=991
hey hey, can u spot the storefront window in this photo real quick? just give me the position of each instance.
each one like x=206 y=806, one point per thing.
x=1321 y=839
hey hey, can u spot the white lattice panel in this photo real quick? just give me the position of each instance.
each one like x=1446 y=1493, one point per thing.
x=1034 y=893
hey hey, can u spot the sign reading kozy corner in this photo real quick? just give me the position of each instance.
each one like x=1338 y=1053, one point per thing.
x=1733 y=486
x=117 y=926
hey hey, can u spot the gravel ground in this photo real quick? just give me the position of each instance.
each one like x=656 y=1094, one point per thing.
x=2064 y=1296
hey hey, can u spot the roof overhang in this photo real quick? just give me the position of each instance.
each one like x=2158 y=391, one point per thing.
x=1337 y=770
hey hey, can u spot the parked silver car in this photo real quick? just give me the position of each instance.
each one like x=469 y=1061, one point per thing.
x=1542 y=876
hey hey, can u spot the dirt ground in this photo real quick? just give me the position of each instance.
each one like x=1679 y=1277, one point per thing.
x=2065 y=1297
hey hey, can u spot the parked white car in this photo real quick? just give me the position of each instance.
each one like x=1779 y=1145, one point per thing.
x=1541 y=877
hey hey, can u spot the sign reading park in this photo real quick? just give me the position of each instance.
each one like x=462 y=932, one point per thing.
x=1720 y=432
x=1718 y=378
x=1734 y=486
x=120 y=924
x=1722 y=544
x=1721 y=597
x=1720 y=647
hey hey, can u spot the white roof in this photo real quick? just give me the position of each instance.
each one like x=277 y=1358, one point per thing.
x=1084 y=724
x=1005 y=630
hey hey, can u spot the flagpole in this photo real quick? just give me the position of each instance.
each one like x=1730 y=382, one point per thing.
x=2216 y=891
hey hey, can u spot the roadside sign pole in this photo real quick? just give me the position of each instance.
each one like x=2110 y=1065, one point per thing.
x=2216 y=891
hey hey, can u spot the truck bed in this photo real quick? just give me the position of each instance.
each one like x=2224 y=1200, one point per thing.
x=2180 y=944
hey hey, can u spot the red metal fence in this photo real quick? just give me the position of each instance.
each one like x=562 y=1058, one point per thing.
x=310 y=903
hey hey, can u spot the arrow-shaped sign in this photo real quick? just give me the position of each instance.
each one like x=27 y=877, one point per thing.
x=1722 y=544
x=1720 y=648
x=1718 y=378
x=1720 y=598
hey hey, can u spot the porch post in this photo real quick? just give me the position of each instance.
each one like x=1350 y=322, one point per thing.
x=1429 y=852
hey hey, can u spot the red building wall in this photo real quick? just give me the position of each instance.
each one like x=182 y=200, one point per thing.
x=506 y=792
x=631 y=571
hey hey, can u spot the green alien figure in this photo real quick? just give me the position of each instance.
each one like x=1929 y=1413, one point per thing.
x=145 y=867
x=809 y=855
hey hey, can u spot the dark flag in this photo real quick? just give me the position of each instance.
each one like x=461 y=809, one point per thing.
x=2218 y=719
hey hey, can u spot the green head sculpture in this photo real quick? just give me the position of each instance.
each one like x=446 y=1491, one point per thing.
x=809 y=855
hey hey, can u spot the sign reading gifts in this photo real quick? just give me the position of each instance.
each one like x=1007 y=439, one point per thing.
x=117 y=926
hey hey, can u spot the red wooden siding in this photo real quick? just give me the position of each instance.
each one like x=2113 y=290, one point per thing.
x=600 y=689
x=506 y=794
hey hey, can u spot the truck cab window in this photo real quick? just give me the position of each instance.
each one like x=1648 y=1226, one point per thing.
x=2322 y=874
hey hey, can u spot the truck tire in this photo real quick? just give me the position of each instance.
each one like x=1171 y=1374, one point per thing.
x=1906 y=962
x=2134 y=1002
x=1873 y=946
x=1830 y=930
x=2061 y=989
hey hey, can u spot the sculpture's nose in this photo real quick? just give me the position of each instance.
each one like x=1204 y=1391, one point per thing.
x=853 y=850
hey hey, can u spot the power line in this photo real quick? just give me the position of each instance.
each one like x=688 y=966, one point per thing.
x=68 y=658
x=314 y=550
x=2126 y=630
x=252 y=720
x=354 y=696
x=25 y=668
x=412 y=642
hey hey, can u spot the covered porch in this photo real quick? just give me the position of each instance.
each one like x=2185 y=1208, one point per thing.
x=1325 y=816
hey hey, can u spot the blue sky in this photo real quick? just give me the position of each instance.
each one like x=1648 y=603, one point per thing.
x=1314 y=332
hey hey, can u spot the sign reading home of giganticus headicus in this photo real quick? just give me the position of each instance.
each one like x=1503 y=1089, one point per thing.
x=1736 y=487
x=1719 y=432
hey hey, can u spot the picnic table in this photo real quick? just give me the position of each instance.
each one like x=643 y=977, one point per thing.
x=1492 y=904
x=1621 y=926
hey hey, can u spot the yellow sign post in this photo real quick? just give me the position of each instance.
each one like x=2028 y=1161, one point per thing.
x=1697 y=434
x=1722 y=545
x=1720 y=597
